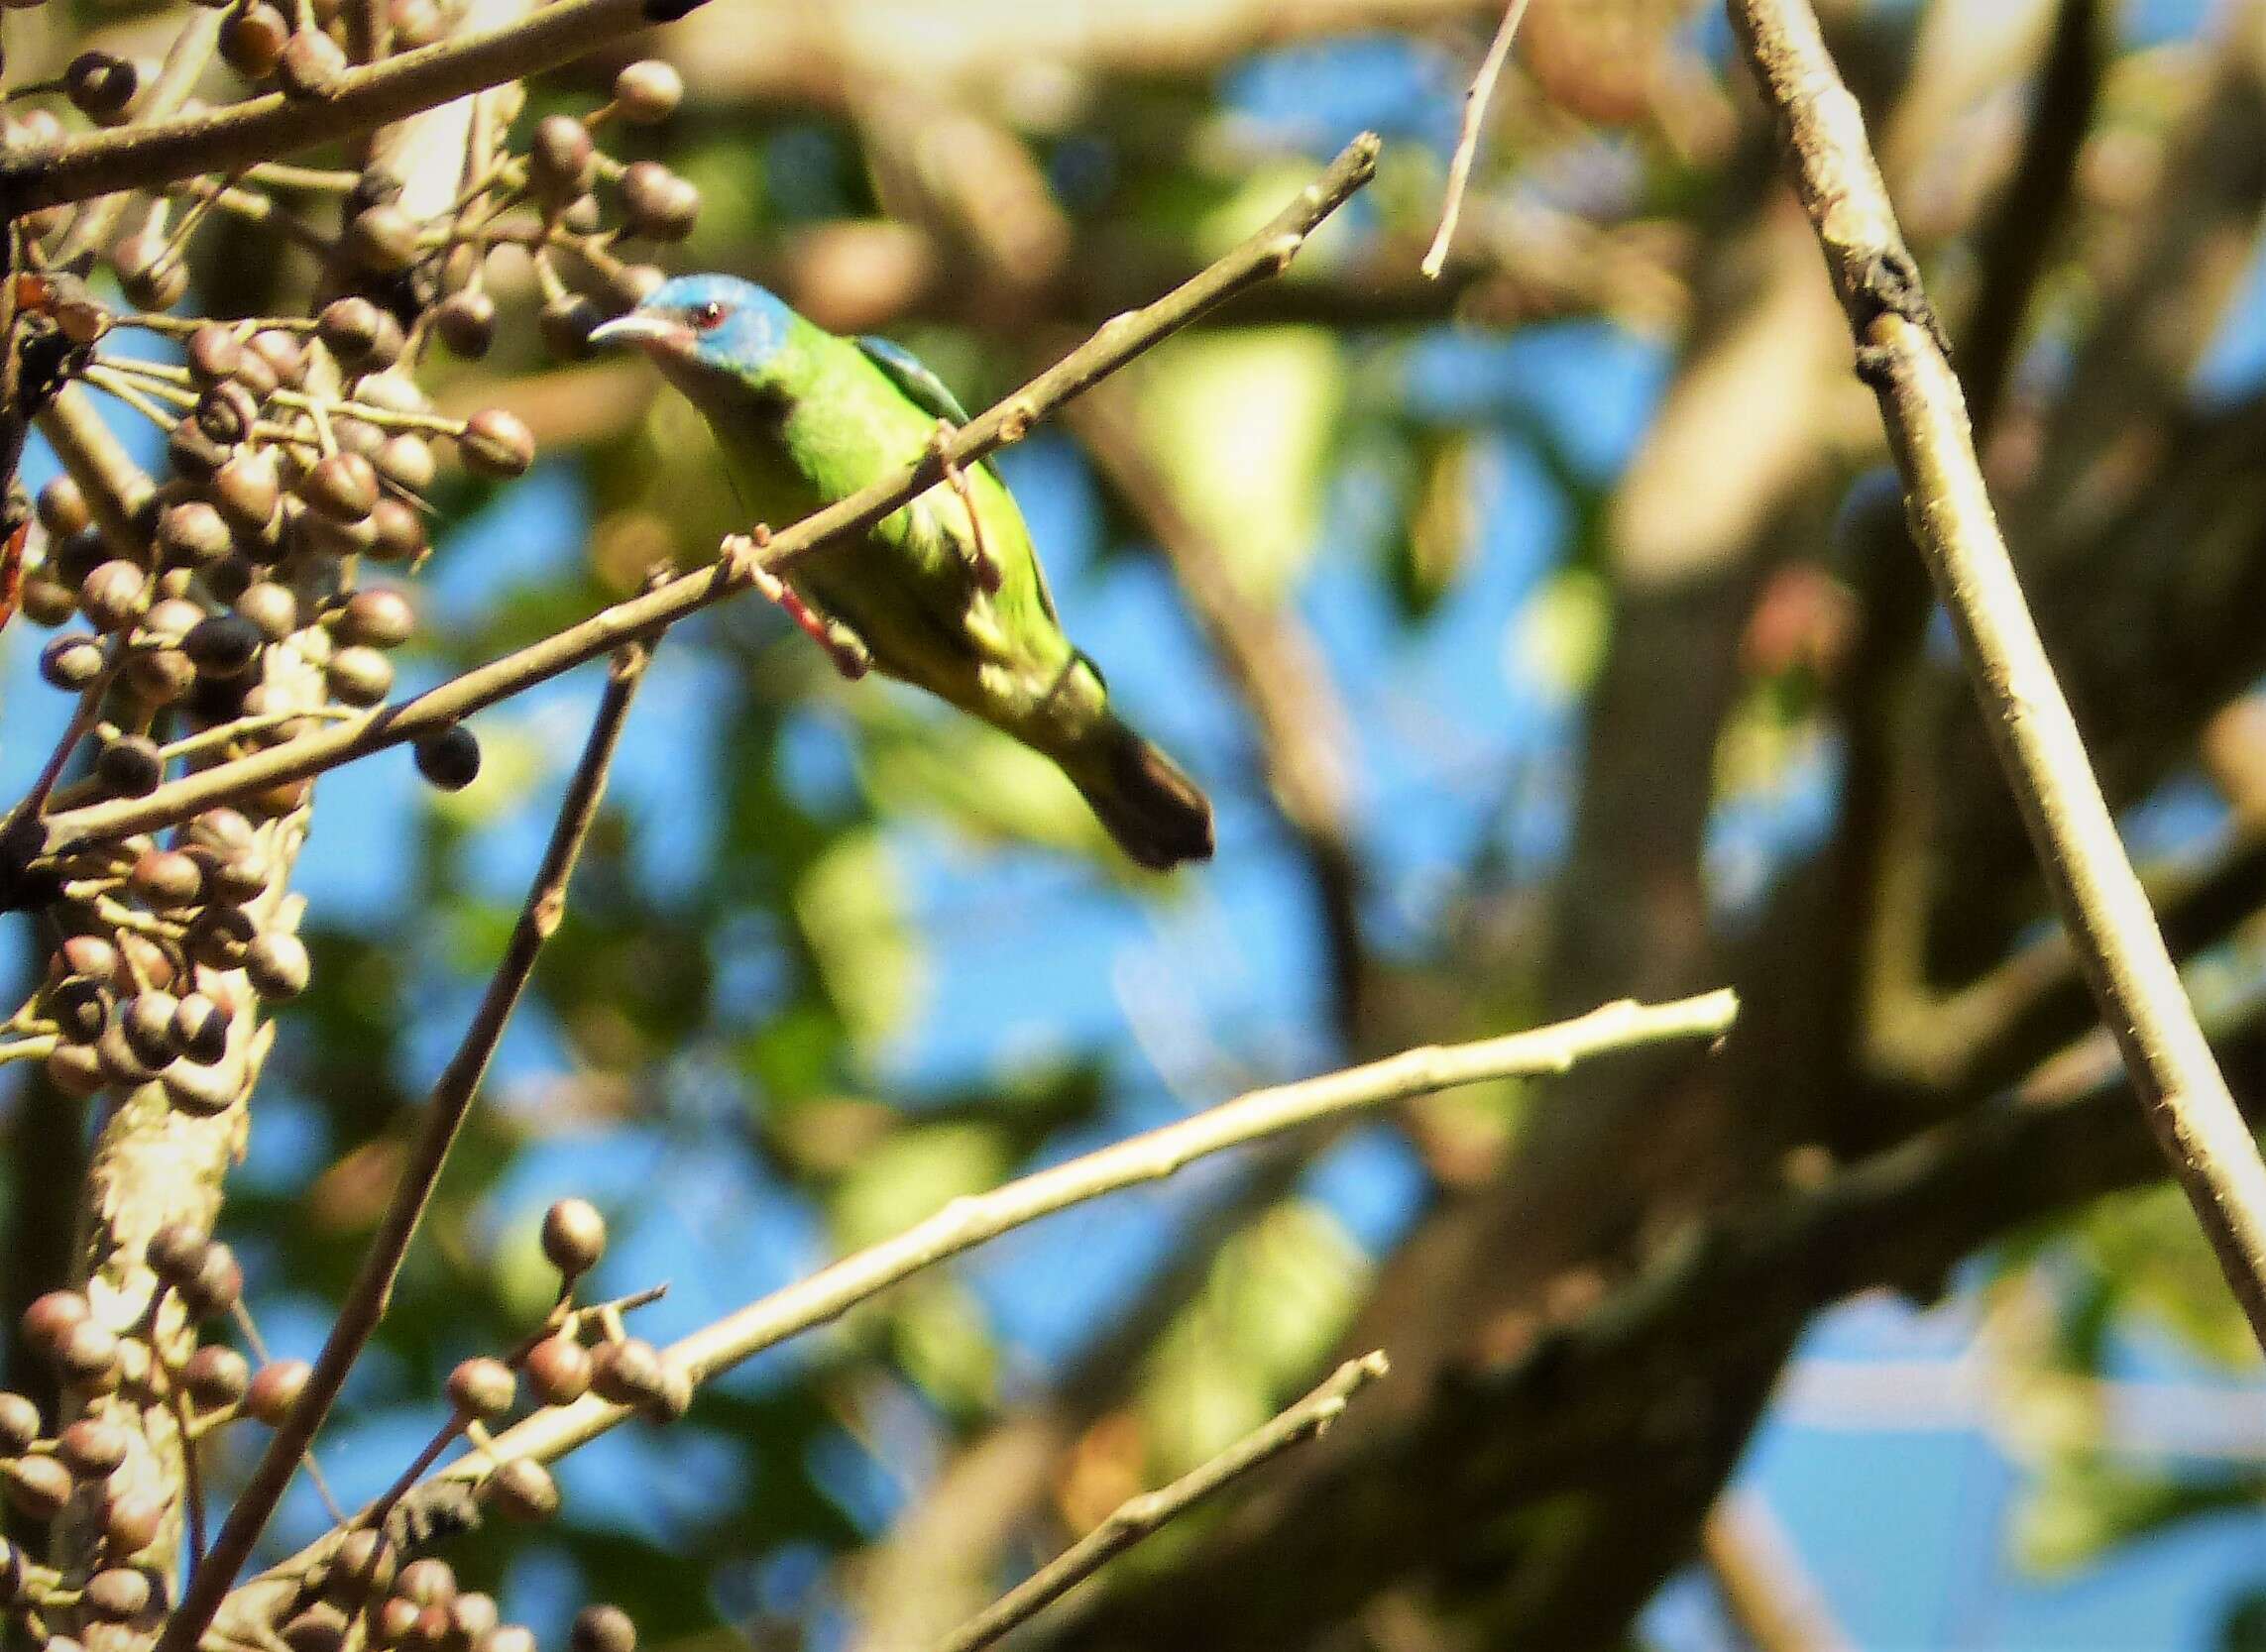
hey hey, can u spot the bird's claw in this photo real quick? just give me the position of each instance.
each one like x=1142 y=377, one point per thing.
x=743 y=555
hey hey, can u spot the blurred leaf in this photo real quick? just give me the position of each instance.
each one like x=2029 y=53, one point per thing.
x=1243 y=424
x=852 y=907
x=1557 y=639
x=514 y=761
x=944 y=1339
x=2083 y=1509
x=973 y=777
x=1442 y=519
x=911 y=1175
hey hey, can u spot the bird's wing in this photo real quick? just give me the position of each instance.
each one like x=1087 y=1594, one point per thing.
x=924 y=390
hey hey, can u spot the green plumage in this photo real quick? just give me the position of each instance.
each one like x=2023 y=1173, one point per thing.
x=803 y=418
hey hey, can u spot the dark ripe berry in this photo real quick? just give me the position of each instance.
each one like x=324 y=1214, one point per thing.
x=113 y=595
x=61 y=509
x=497 y=443
x=50 y=1319
x=426 y=1583
x=565 y=324
x=658 y=204
x=200 y=1029
x=483 y=1387
x=148 y=1022
x=383 y=239
x=71 y=661
x=558 y=1370
x=36 y=1486
x=472 y=1618
x=19 y=1423
x=524 y=1490
x=129 y=766
x=227 y=411
x=220 y=936
x=214 y=354
x=648 y=90
x=320 y=1628
x=252 y=40
x=77 y=555
x=192 y=453
x=194 y=535
x=237 y=878
x=277 y=964
x=216 y=1376
x=74 y=1069
x=627 y=1373
x=222 y=828
x=270 y=609
x=87 y=954
x=247 y=488
x=120 y=1062
x=360 y=676
x=343 y=487
x=118 y=1594
x=151 y=275
x=90 y=1358
x=91 y=1449
x=312 y=64
x=215 y=1287
x=176 y=1250
x=48 y=602
x=406 y=461
x=574 y=1237
x=102 y=85
x=561 y=159
x=349 y=326
x=466 y=323
x=602 y=1629
x=159 y=678
x=131 y=1523
x=380 y=617
x=223 y=645
x=81 y=1008
x=276 y=1388
x=166 y=878
x=361 y=1566
x=284 y=355
x=398 y=532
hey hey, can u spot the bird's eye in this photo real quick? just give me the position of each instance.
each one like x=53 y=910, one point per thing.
x=709 y=316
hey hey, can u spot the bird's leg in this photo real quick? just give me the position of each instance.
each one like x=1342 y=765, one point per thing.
x=744 y=553
x=972 y=550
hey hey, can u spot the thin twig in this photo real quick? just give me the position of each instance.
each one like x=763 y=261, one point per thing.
x=1117 y=342
x=1901 y=352
x=184 y=65
x=1136 y=1518
x=271 y=126
x=1467 y=140
x=451 y=1100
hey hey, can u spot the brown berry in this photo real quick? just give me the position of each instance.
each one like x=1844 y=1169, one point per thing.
x=90 y=1358
x=18 y=1424
x=253 y=38
x=147 y=1022
x=558 y=1370
x=91 y=1448
x=383 y=239
x=63 y=509
x=276 y=1388
x=523 y=1490
x=102 y=85
x=216 y=1286
x=380 y=617
x=406 y=461
x=574 y=1237
x=214 y=353
x=312 y=64
x=320 y=1628
x=194 y=534
x=247 y=488
x=277 y=965
x=36 y=1486
x=131 y=1522
x=216 y=1378
x=362 y=1566
x=74 y=1069
x=483 y=1387
x=497 y=443
x=71 y=661
x=648 y=90
x=200 y=1029
x=113 y=595
x=129 y=766
x=561 y=159
x=627 y=1373
x=426 y=1583
x=397 y=531
x=343 y=487
x=360 y=674
x=466 y=323
x=602 y=1629
x=658 y=203
x=166 y=878
x=118 y=1594
x=272 y=609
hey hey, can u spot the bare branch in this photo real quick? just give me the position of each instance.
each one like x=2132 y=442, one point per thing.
x=1475 y=103
x=451 y=1100
x=1901 y=352
x=1137 y=1517
x=272 y=126
x=1118 y=341
x=1151 y=1157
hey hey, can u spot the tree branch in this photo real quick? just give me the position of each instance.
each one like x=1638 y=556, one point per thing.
x=445 y=1111
x=1137 y=1517
x=1266 y=254
x=1475 y=103
x=1901 y=352
x=272 y=126
x=1151 y=1157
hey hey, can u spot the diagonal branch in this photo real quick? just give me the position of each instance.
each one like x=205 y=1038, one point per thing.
x=1119 y=340
x=1137 y=1517
x=1901 y=352
x=965 y=1223
x=451 y=1100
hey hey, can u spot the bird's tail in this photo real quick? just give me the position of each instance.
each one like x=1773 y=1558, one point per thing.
x=1157 y=814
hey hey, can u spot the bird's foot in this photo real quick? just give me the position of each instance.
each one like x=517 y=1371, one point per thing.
x=743 y=555
x=982 y=567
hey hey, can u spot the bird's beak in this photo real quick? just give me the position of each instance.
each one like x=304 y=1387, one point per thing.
x=650 y=331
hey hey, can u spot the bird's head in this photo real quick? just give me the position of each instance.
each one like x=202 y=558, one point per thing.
x=719 y=323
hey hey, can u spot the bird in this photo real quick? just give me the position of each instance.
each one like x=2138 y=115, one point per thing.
x=947 y=592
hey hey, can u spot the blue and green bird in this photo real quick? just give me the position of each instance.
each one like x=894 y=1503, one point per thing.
x=803 y=418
